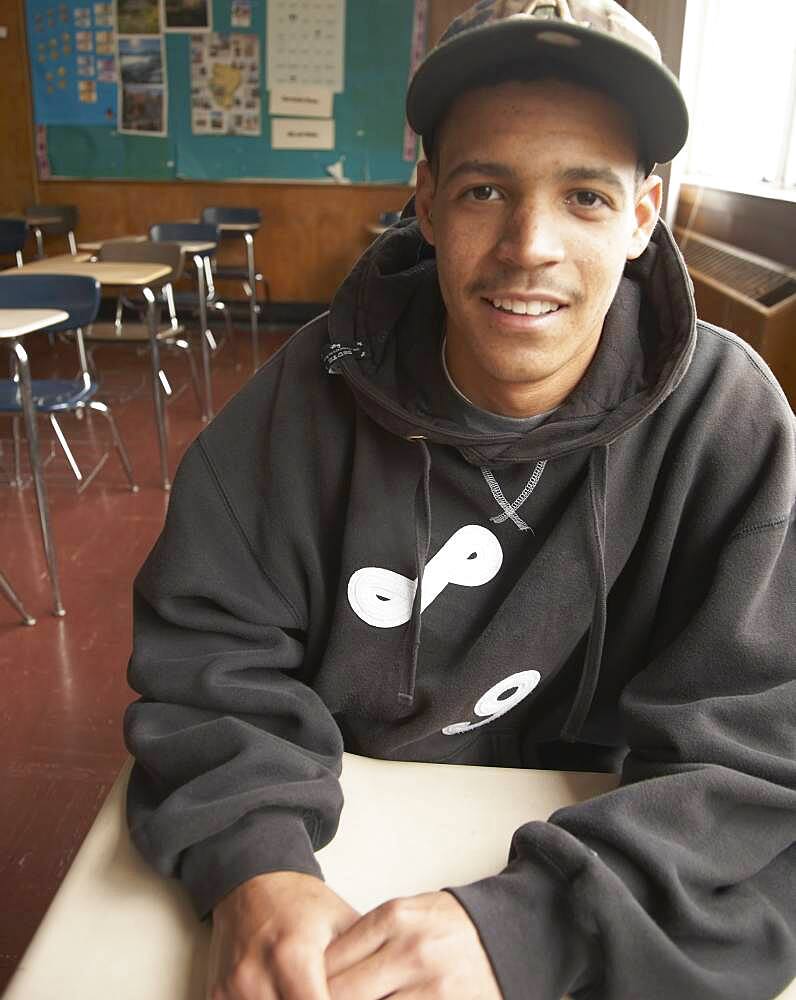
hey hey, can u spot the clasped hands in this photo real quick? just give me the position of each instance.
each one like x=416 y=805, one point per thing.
x=288 y=936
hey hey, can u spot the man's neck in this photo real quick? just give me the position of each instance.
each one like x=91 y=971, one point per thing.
x=515 y=399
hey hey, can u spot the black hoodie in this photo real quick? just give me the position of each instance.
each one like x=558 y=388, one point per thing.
x=643 y=624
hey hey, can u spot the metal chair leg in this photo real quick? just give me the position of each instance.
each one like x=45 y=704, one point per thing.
x=65 y=448
x=157 y=399
x=29 y=414
x=10 y=594
x=252 y=282
x=201 y=280
x=124 y=458
x=183 y=345
x=229 y=332
x=17 y=481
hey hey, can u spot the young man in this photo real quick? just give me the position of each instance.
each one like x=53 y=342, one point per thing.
x=531 y=514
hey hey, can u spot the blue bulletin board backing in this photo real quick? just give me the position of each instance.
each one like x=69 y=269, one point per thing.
x=368 y=114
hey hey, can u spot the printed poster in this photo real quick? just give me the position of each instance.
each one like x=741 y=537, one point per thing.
x=306 y=43
x=225 y=84
x=143 y=99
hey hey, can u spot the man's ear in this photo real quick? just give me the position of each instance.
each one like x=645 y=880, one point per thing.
x=648 y=210
x=424 y=195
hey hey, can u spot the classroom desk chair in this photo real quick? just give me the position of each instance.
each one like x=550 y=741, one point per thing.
x=13 y=236
x=79 y=298
x=236 y=222
x=52 y=220
x=171 y=332
x=199 y=240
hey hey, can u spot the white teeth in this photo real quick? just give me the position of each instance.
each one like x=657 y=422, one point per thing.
x=522 y=308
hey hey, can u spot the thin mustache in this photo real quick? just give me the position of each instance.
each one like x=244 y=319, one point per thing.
x=491 y=287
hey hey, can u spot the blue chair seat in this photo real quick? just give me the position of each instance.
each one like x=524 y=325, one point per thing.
x=49 y=395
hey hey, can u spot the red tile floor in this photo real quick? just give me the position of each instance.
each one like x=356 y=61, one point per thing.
x=63 y=680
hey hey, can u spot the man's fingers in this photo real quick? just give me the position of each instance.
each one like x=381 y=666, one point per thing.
x=362 y=939
x=379 y=975
x=299 y=972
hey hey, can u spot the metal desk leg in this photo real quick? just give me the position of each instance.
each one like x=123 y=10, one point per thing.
x=32 y=431
x=252 y=299
x=202 y=291
x=157 y=398
x=14 y=601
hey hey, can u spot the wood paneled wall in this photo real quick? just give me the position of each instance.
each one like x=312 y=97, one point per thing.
x=17 y=162
x=311 y=234
x=442 y=13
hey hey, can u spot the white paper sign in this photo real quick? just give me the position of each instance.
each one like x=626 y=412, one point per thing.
x=302 y=133
x=306 y=43
x=312 y=102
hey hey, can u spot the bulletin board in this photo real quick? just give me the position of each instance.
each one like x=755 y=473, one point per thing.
x=79 y=129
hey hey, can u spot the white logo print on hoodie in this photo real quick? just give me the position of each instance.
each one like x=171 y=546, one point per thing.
x=471 y=557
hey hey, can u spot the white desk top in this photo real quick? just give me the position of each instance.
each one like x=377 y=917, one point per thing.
x=189 y=246
x=195 y=246
x=17 y=322
x=142 y=935
x=42 y=219
x=116 y=929
x=238 y=227
x=105 y=272
x=94 y=245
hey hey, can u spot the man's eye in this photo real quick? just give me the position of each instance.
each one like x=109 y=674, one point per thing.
x=484 y=192
x=587 y=199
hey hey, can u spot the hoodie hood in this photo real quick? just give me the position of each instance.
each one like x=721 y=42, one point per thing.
x=392 y=363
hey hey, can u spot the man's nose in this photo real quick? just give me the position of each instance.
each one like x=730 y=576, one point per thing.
x=531 y=238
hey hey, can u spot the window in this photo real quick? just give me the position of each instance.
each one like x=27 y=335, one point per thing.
x=740 y=80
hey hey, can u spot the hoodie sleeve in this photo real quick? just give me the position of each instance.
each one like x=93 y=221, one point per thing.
x=681 y=882
x=237 y=760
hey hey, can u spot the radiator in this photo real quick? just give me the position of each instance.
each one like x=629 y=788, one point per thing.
x=749 y=295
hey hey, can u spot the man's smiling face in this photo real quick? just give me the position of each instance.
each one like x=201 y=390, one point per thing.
x=533 y=206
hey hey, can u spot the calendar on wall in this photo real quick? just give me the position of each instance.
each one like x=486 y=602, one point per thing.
x=306 y=43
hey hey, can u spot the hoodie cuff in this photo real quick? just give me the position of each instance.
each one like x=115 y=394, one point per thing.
x=527 y=925
x=266 y=841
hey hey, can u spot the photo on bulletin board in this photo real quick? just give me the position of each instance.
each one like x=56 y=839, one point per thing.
x=143 y=100
x=138 y=17
x=187 y=15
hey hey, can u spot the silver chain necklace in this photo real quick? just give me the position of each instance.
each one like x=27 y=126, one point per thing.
x=510 y=509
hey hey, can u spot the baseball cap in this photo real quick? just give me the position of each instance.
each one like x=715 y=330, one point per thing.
x=595 y=42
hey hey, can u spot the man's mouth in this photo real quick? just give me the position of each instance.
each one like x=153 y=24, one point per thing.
x=521 y=307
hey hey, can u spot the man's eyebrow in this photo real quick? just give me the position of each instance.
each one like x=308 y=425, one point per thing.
x=484 y=168
x=584 y=175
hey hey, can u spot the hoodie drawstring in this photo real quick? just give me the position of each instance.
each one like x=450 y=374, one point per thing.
x=422 y=521
x=598 y=478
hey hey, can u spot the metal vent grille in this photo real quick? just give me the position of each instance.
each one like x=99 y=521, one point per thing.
x=755 y=281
